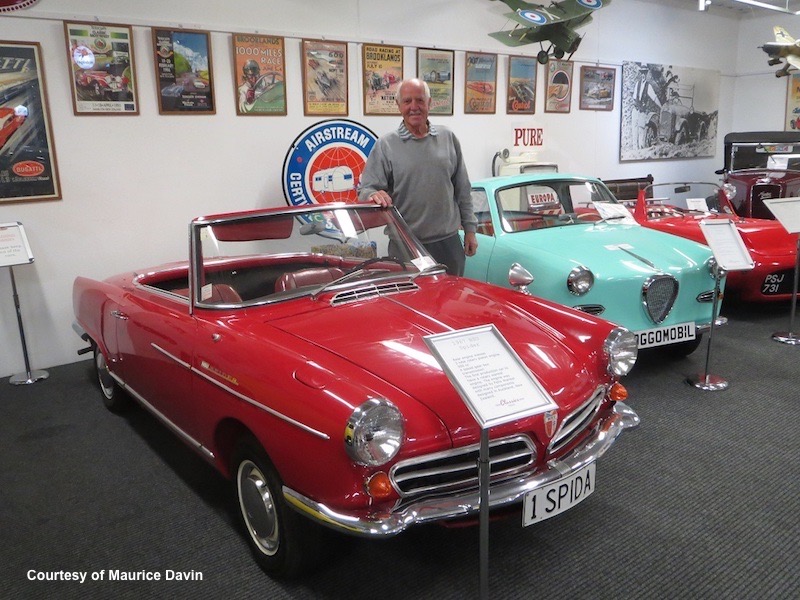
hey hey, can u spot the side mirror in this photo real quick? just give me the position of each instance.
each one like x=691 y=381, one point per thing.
x=520 y=278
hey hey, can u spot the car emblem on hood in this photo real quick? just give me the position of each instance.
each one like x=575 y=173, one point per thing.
x=550 y=422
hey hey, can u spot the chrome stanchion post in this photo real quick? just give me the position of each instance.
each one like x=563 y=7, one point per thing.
x=484 y=470
x=788 y=337
x=29 y=376
x=706 y=381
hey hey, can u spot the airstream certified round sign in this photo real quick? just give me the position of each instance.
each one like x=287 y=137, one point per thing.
x=9 y=5
x=325 y=162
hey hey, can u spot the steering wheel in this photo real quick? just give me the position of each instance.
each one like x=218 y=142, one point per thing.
x=372 y=261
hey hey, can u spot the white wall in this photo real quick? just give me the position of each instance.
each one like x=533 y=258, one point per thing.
x=132 y=183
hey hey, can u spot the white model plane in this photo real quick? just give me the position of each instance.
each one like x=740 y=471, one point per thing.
x=784 y=47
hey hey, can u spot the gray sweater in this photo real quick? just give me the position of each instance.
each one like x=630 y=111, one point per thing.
x=426 y=178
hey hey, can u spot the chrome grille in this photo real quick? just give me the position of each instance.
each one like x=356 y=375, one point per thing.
x=457 y=469
x=659 y=294
x=577 y=421
x=761 y=192
x=371 y=291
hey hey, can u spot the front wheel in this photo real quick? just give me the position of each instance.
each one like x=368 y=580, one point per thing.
x=284 y=544
x=114 y=397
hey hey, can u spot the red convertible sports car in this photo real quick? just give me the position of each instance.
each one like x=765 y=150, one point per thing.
x=679 y=208
x=290 y=351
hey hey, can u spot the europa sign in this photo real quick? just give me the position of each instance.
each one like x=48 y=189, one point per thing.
x=324 y=164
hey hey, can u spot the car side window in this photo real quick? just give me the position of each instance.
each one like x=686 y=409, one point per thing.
x=480 y=206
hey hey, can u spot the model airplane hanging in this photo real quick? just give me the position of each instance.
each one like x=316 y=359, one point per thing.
x=554 y=24
x=784 y=47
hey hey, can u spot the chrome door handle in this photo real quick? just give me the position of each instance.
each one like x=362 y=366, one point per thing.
x=119 y=315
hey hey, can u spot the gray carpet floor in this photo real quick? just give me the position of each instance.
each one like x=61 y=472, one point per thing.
x=701 y=501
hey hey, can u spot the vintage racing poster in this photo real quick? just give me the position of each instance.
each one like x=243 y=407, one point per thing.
x=383 y=72
x=260 y=68
x=436 y=68
x=324 y=78
x=183 y=71
x=480 y=83
x=101 y=69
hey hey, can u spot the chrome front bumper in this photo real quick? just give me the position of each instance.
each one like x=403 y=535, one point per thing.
x=501 y=494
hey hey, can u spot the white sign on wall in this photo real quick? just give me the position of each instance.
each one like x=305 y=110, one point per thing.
x=14 y=248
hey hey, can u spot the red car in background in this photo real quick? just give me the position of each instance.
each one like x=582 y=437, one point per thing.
x=761 y=165
x=679 y=208
x=10 y=121
x=290 y=352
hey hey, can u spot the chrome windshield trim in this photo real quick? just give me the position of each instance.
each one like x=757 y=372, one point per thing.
x=260 y=406
x=385 y=524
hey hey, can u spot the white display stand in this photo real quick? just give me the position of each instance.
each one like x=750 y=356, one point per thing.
x=730 y=254
x=15 y=250
x=787 y=212
x=497 y=388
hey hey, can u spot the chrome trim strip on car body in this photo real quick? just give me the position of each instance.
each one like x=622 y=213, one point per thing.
x=161 y=417
x=260 y=406
x=504 y=493
x=172 y=357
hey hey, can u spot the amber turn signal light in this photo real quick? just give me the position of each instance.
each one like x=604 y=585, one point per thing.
x=618 y=392
x=379 y=487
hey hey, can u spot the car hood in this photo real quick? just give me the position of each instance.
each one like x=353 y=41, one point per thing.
x=385 y=336
x=613 y=250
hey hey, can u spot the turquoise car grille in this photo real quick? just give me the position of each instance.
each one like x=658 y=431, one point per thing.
x=659 y=294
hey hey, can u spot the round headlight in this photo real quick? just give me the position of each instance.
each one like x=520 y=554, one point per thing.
x=374 y=432
x=622 y=350
x=580 y=281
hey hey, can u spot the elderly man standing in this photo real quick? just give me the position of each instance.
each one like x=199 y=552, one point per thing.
x=420 y=169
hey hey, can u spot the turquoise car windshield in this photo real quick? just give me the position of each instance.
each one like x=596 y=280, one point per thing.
x=540 y=204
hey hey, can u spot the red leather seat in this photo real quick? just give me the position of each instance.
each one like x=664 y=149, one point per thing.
x=314 y=276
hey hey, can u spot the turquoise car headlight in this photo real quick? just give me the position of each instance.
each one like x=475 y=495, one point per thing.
x=374 y=432
x=580 y=281
x=622 y=350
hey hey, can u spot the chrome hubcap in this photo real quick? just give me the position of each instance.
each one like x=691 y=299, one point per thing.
x=103 y=374
x=258 y=508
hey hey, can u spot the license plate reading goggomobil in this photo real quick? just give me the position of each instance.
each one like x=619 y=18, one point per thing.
x=661 y=336
x=558 y=496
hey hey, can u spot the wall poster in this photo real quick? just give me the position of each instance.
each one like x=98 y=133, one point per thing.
x=324 y=78
x=667 y=112
x=260 y=69
x=382 y=73
x=100 y=58
x=521 y=85
x=480 y=83
x=597 y=88
x=435 y=67
x=28 y=169
x=183 y=71
x=559 y=86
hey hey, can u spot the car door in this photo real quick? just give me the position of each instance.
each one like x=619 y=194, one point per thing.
x=477 y=266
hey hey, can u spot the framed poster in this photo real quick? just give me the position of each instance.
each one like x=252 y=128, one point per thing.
x=100 y=58
x=559 y=86
x=435 y=67
x=183 y=71
x=480 y=83
x=28 y=169
x=667 y=112
x=792 y=121
x=259 y=67
x=324 y=78
x=521 y=85
x=382 y=73
x=597 y=88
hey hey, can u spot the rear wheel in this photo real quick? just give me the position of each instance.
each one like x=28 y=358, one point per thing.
x=284 y=543
x=113 y=396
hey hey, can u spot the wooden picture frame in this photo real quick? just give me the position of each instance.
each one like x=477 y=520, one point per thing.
x=597 y=88
x=28 y=166
x=521 y=96
x=435 y=67
x=184 y=76
x=259 y=70
x=325 y=82
x=559 y=86
x=101 y=66
x=480 y=83
x=382 y=72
